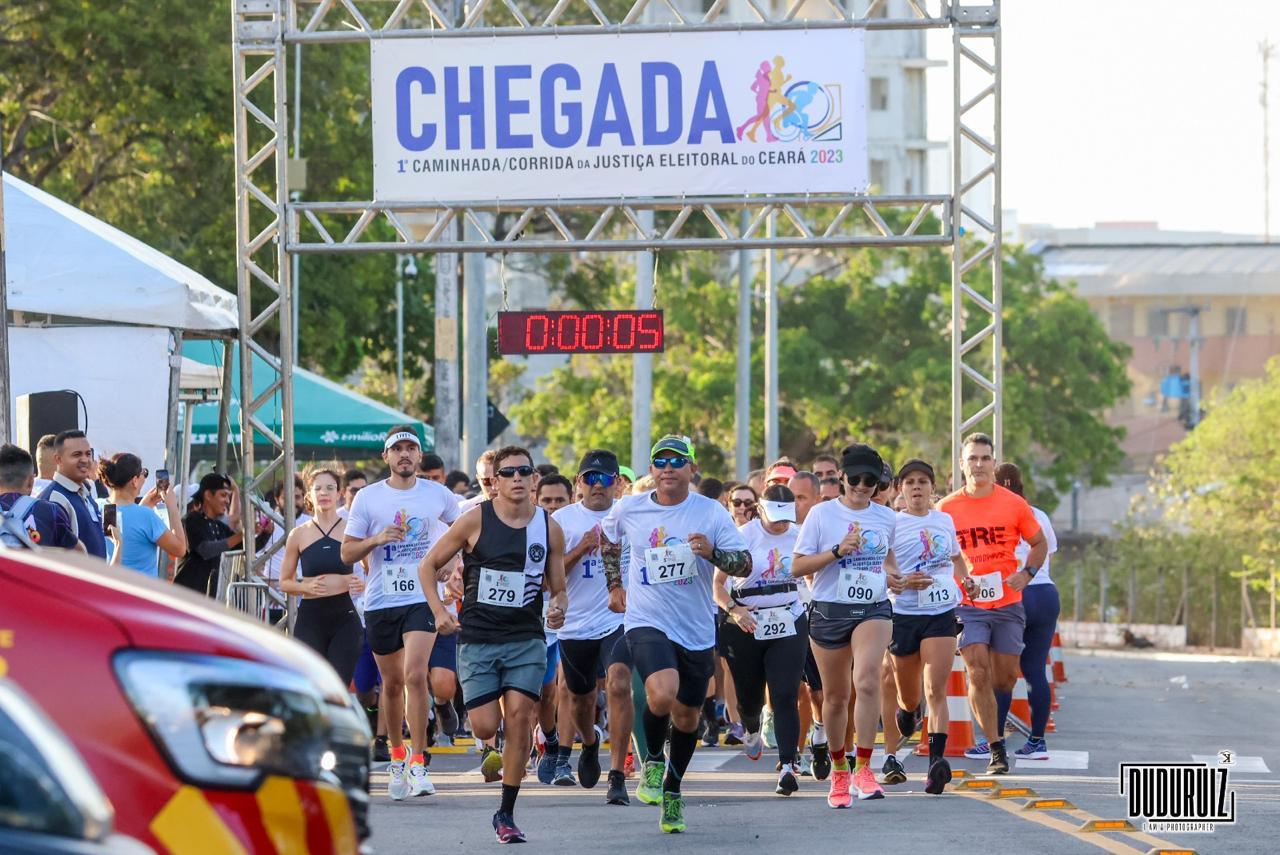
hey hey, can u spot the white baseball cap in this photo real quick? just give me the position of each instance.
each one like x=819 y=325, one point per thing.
x=778 y=511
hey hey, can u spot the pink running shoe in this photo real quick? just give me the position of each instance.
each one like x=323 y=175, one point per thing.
x=864 y=780
x=839 y=795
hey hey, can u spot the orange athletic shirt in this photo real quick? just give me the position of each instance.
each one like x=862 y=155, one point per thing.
x=989 y=530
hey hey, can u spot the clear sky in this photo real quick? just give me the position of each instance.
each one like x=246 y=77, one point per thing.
x=1133 y=110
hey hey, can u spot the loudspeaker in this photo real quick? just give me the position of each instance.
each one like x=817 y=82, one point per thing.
x=40 y=413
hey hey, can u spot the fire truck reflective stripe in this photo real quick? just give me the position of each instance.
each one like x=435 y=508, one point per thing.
x=188 y=823
x=337 y=811
x=282 y=814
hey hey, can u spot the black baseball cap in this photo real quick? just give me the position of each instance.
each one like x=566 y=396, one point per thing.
x=861 y=459
x=599 y=460
x=915 y=464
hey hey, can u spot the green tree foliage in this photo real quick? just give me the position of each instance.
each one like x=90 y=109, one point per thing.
x=1223 y=478
x=863 y=354
x=124 y=109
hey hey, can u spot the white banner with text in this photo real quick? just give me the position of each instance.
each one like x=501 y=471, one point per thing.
x=610 y=115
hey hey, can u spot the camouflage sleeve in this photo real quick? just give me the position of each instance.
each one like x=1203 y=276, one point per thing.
x=734 y=562
x=611 y=555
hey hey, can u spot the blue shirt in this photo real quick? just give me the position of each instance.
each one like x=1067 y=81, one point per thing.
x=77 y=500
x=141 y=529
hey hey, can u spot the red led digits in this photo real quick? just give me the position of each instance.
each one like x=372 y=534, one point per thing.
x=626 y=331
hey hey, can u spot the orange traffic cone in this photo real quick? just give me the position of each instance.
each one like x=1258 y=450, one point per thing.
x=1055 y=654
x=960 y=727
x=1048 y=676
x=1020 y=707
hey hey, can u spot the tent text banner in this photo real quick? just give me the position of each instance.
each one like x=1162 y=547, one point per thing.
x=603 y=116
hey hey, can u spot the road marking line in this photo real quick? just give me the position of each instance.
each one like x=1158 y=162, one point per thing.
x=1058 y=760
x=1244 y=765
x=1100 y=841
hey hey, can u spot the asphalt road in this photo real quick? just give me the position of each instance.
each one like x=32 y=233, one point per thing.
x=1115 y=708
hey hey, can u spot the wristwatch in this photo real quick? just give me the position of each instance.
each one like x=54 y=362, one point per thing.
x=1031 y=571
x=835 y=551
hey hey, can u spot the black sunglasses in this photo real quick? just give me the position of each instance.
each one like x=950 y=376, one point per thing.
x=513 y=471
x=863 y=480
x=742 y=503
x=827 y=482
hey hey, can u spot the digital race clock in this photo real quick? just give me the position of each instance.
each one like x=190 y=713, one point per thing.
x=524 y=333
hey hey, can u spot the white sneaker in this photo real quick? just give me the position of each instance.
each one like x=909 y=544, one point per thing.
x=398 y=785
x=420 y=782
x=444 y=740
x=753 y=746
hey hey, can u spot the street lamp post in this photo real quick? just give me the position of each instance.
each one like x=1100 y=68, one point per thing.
x=405 y=266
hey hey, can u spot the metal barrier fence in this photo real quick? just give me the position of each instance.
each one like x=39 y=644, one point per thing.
x=241 y=591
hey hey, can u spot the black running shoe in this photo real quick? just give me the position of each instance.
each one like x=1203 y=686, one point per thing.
x=893 y=771
x=939 y=776
x=589 y=762
x=381 y=751
x=821 y=761
x=999 y=764
x=907 y=725
x=710 y=733
x=617 y=794
x=787 y=781
x=504 y=826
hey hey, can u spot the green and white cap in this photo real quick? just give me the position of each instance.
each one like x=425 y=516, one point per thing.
x=681 y=445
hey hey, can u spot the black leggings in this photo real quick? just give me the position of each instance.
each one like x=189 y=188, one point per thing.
x=777 y=664
x=334 y=633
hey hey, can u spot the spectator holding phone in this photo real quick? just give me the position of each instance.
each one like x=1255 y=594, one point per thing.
x=138 y=531
x=208 y=534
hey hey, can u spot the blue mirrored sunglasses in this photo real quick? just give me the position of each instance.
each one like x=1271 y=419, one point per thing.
x=603 y=479
x=673 y=462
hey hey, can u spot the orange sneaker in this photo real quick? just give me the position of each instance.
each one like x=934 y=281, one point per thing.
x=864 y=781
x=839 y=797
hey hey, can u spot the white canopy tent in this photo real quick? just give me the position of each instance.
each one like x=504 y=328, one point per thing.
x=98 y=311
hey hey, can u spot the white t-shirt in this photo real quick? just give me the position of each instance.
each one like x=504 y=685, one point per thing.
x=393 y=567
x=1023 y=549
x=682 y=609
x=770 y=564
x=826 y=525
x=926 y=544
x=588 y=616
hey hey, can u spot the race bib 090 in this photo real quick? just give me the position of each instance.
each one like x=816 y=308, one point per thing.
x=861 y=586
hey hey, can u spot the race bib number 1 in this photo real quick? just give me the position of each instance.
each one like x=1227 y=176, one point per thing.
x=666 y=564
x=774 y=623
x=503 y=588
x=990 y=588
x=943 y=591
x=859 y=586
x=399 y=580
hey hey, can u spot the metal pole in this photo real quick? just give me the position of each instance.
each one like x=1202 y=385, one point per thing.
x=770 y=350
x=399 y=330
x=6 y=422
x=172 y=447
x=997 y=258
x=297 y=194
x=642 y=364
x=224 y=407
x=445 y=370
x=475 y=370
x=1267 y=49
x=1195 y=365
x=742 y=416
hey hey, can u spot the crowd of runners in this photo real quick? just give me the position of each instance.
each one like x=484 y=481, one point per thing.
x=804 y=611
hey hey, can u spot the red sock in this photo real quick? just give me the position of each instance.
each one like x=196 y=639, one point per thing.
x=398 y=753
x=863 y=754
x=417 y=758
x=837 y=755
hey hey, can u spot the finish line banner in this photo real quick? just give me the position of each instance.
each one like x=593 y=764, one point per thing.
x=602 y=116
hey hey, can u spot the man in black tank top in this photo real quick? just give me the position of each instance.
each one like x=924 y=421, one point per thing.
x=511 y=551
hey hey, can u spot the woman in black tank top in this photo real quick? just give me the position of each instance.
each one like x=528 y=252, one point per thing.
x=327 y=619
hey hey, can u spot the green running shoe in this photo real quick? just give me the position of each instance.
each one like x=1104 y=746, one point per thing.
x=491 y=765
x=650 y=789
x=672 y=821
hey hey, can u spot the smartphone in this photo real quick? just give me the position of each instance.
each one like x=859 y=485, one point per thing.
x=162 y=479
x=108 y=517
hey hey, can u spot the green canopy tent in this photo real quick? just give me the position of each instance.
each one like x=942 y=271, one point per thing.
x=329 y=420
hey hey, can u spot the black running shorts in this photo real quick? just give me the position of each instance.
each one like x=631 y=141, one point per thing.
x=385 y=628
x=831 y=625
x=910 y=630
x=582 y=660
x=653 y=651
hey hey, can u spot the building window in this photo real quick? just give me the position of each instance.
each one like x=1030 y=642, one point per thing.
x=880 y=175
x=1120 y=321
x=1237 y=320
x=1157 y=322
x=879 y=93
